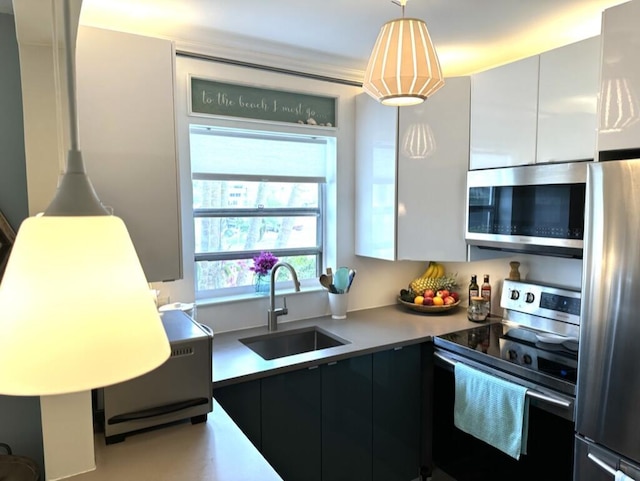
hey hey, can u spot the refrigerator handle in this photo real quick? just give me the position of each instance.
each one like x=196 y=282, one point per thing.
x=602 y=464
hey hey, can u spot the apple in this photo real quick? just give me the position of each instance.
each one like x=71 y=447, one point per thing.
x=427 y=301
x=455 y=295
x=442 y=293
x=429 y=293
x=449 y=300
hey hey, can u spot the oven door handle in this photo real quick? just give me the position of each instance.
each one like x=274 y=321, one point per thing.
x=530 y=392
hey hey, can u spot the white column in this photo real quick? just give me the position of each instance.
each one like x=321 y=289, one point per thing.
x=67 y=434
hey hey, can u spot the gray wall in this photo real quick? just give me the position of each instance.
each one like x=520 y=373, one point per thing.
x=20 y=424
x=13 y=176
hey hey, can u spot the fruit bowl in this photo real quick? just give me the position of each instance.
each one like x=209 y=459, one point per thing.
x=428 y=309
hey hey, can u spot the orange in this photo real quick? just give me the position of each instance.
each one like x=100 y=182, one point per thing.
x=438 y=301
x=418 y=300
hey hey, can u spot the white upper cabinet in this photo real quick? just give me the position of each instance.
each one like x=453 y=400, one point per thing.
x=411 y=166
x=375 y=209
x=504 y=105
x=568 y=102
x=537 y=110
x=125 y=90
x=619 y=109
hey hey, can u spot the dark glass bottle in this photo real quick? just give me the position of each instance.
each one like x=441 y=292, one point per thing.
x=474 y=290
x=485 y=291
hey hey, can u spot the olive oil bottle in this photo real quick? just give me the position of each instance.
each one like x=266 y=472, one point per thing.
x=474 y=290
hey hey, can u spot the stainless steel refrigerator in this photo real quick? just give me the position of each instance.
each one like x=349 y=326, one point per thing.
x=608 y=401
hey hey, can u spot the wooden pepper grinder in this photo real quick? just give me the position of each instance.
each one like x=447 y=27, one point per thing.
x=514 y=274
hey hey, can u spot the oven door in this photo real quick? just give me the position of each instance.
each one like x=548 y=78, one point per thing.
x=551 y=432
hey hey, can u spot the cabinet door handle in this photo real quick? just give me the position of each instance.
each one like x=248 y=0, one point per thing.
x=332 y=363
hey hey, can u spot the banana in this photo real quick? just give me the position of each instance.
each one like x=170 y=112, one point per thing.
x=429 y=272
x=434 y=278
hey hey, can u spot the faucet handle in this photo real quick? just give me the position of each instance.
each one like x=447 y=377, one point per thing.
x=284 y=306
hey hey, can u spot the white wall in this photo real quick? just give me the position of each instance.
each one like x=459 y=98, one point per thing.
x=377 y=282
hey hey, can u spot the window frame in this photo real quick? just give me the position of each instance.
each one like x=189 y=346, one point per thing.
x=319 y=212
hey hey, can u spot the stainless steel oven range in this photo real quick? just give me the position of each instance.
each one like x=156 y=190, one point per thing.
x=535 y=345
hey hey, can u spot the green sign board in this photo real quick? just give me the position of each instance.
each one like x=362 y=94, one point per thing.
x=211 y=97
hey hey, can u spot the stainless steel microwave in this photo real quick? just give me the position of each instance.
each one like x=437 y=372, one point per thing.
x=538 y=209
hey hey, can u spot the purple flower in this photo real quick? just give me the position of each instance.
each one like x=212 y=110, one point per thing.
x=263 y=263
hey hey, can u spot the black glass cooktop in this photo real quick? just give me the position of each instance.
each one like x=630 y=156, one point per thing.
x=518 y=352
x=483 y=338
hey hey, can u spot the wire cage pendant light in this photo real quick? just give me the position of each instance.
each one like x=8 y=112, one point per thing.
x=403 y=68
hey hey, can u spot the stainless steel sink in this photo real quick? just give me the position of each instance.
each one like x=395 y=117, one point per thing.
x=287 y=343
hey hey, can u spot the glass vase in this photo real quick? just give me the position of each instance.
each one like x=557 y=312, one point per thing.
x=263 y=283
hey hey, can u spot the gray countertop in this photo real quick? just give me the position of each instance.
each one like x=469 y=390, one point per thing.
x=367 y=331
x=213 y=451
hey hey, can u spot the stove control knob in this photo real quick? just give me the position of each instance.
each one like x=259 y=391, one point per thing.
x=527 y=359
x=513 y=355
x=529 y=298
x=515 y=295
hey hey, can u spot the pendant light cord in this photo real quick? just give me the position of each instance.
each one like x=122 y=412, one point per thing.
x=71 y=79
x=400 y=3
x=75 y=195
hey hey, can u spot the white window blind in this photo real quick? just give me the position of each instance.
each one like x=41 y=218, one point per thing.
x=223 y=152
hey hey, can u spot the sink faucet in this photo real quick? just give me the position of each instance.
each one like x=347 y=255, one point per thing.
x=273 y=313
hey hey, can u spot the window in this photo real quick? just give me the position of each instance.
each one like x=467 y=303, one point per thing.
x=255 y=191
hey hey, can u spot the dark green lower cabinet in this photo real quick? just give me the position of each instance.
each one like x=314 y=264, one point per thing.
x=346 y=420
x=242 y=403
x=396 y=414
x=357 y=419
x=291 y=430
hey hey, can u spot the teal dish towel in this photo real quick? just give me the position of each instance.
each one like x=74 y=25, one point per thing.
x=491 y=409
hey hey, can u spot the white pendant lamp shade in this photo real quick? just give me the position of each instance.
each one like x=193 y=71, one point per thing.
x=75 y=308
x=403 y=68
